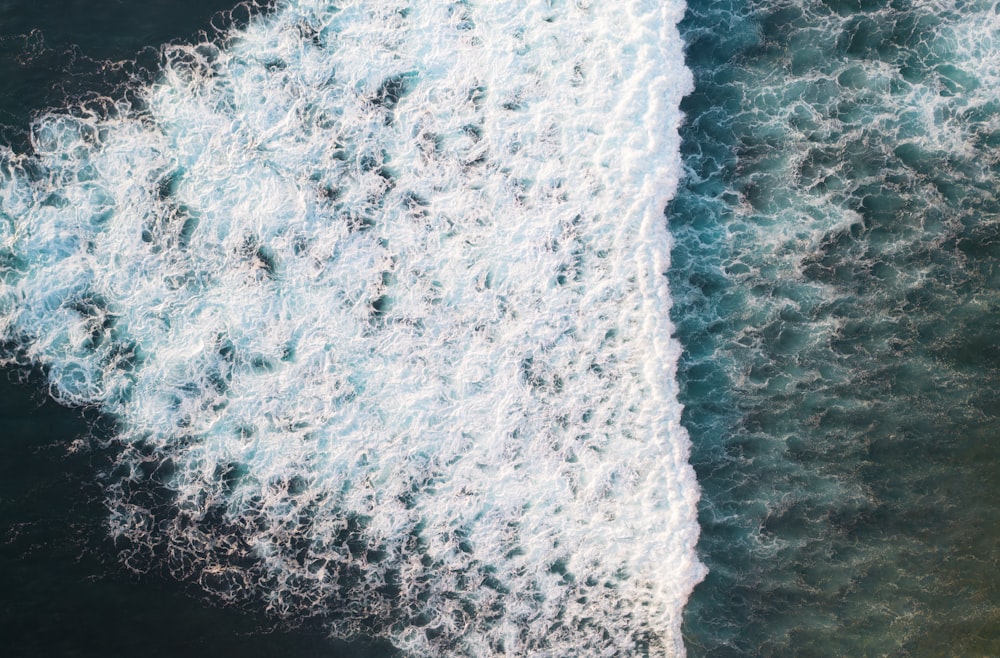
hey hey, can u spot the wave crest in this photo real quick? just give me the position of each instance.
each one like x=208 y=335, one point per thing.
x=376 y=294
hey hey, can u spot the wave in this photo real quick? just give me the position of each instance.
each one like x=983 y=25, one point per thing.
x=376 y=294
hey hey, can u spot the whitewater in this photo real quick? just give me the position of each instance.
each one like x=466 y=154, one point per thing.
x=375 y=293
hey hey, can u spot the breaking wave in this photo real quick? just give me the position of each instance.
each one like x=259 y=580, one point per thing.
x=376 y=294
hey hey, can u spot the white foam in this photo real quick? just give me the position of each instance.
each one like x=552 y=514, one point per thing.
x=385 y=283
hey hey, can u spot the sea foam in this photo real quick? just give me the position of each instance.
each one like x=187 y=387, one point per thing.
x=375 y=292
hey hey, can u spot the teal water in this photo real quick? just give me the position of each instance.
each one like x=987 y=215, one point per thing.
x=836 y=285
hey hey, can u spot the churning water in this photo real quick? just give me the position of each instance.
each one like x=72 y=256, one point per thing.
x=384 y=330
x=375 y=295
x=835 y=287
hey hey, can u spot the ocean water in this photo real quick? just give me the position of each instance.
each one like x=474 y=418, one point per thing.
x=835 y=283
x=368 y=323
x=372 y=298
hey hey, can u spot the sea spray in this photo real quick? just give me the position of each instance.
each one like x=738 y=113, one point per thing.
x=376 y=294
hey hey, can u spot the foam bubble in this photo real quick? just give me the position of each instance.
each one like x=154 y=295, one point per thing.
x=376 y=293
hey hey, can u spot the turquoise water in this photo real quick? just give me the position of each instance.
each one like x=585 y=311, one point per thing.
x=836 y=284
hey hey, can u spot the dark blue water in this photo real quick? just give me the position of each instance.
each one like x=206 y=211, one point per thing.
x=59 y=52
x=62 y=590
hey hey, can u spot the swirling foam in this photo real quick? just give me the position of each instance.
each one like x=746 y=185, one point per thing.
x=376 y=293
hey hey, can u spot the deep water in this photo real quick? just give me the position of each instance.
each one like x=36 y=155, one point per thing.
x=836 y=285
x=56 y=53
x=63 y=592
